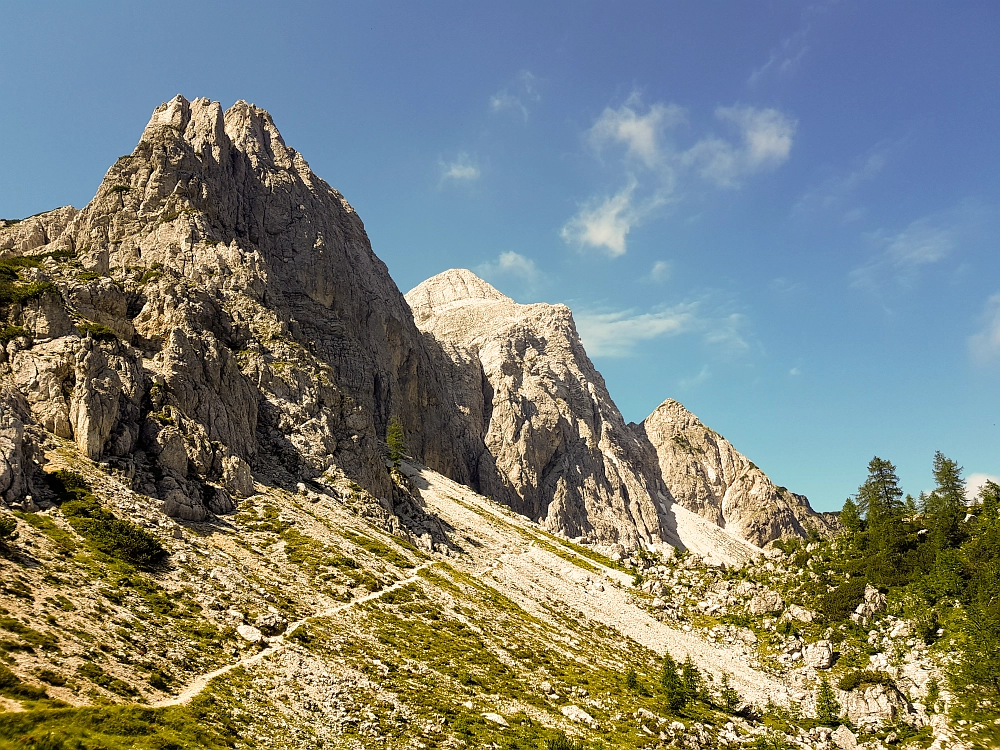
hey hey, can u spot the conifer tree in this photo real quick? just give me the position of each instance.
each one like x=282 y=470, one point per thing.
x=945 y=507
x=691 y=678
x=827 y=706
x=850 y=517
x=673 y=686
x=395 y=441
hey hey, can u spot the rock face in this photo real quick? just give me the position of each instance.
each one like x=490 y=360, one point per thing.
x=215 y=316
x=875 y=706
x=707 y=475
x=218 y=306
x=547 y=438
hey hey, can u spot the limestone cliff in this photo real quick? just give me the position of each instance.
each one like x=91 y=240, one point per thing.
x=217 y=305
x=551 y=442
x=708 y=476
x=216 y=314
x=554 y=446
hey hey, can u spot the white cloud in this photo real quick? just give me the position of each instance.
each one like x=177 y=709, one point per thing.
x=984 y=345
x=795 y=372
x=461 y=170
x=975 y=482
x=617 y=333
x=511 y=264
x=764 y=142
x=703 y=374
x=660 y=272
x=901 y=255
x=726 y=334
x=766 y=135
x=640 y=133
x=603 y=224
x=525 y=88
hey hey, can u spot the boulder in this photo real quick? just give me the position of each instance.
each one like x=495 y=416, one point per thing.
x=874 y=602
x=874 y=706
x=844 y=738
x=818 y=655
x=765 y=602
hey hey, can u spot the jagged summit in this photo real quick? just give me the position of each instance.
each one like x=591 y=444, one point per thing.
x=708 y=476
x=448 y=288
x=217 y=310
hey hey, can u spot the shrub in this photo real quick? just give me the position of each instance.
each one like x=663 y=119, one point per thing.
x=837 y=605
x=11 y=686
x=561 y=742
x=865 y=677
x=8 y=528
x=97 y=331
x=20 y=293
x=12 y=332
x=88 y=276
x=101 y=529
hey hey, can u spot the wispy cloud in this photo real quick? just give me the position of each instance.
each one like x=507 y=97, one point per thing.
x=836 y=192
x=514 y=97
x=640 y=133
x=766 y=142
x=784 y=59
x=617 y=333
x=462 y=169
x=658 y=170
x=511 y=265
x=984 y=345
x=899 y=257
x=660 y=272
x=604 y=223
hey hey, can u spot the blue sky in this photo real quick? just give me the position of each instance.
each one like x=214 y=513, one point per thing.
x=783 y=215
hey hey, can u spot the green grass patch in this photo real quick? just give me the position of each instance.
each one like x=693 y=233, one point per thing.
x=101 y=529
x=118 y=728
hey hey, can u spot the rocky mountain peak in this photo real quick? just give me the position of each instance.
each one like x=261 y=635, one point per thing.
x=450 y=288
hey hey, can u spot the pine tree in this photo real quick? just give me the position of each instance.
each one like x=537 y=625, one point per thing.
x=827 y=706
x=672 y=684
x=850 y=517
x=945 y=507
x=691 y=678
x=395 y=441
x=728 y=695
x=879 y=499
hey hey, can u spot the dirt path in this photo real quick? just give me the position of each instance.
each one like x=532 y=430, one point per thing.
x=278 y=643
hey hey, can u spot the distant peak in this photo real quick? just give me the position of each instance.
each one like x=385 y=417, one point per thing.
x=453 y=285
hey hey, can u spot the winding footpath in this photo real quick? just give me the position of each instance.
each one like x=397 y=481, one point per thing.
x=278 y=644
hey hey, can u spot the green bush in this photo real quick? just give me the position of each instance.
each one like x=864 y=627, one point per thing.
x=837 y=605
x=20 y=293
x=12 y=332
x=11 y=686
x=97 y=331
x=101 y=529
x=8 y=528
x=865 y=677
x=561 y=742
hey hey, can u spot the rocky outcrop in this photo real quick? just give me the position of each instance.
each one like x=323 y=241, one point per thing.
x=22 y=236
x=548 y=440
x=707 y=475
x=873 y=706
x=216 y=312
x=217 y=307
x=545 y=436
